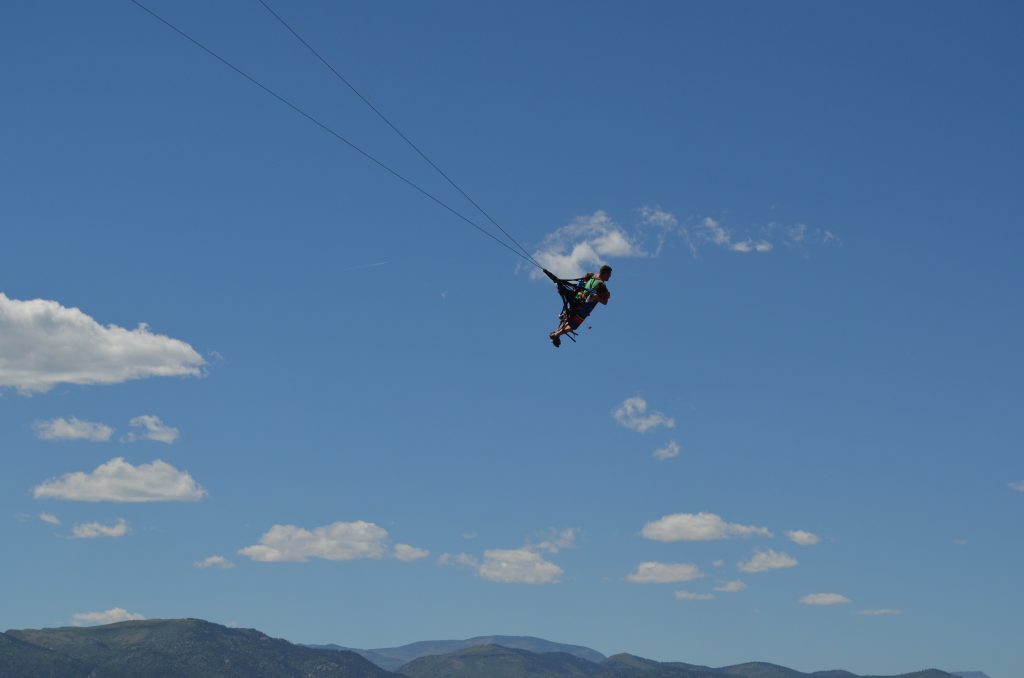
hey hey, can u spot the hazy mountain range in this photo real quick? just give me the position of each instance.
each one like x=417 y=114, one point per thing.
x=192 y=648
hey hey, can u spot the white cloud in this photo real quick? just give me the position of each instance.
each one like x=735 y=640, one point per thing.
x=824 y=599
x=46 y=344
x=119 y=481
x=802 y=537
x=518 y=566
x=557 y=541
x=111 y=616
x=718 y=563
x=407 y=553
x=49 y=518
x=215 y=561
x=669 y=451
x=93 y=530
x=664 y=573
x=698 y=527
x=687 y=595
x=1018 y=487
x=881 y=613
x=72 y=429
x=337 y=541
x=734 y=586
x=712 y=232
x=584 y=245
x=768 y=560
x=657 y=217
x=154 y=430
x=632 y=414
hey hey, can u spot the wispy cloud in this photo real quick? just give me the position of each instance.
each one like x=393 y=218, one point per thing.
x=688 y=595
x=214 y=561
x=46 y=344
x=698 y=527
x=667 y=452
x=1017 y=487
x=94 y=530
x=881 y=613
x=72 y=429
x=49 y=518
x=556 y=541
x=768 y=560
x=111 y=616
x=152 y=429
x=337 y=541
x=632 y=414
x=802 y=537
x=360 y=267
x=734 y=586
x=119 y=481
x=824 y=599
x=664 y=573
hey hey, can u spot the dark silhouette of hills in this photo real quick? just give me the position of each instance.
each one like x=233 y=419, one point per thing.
x=183 y=648
x=192 y=648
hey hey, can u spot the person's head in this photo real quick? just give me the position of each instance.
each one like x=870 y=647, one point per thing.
x=605 y=273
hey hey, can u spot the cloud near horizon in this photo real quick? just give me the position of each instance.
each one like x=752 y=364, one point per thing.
x=337 y=541
x=111 y=616
x=94 y=530
x=119 y=481
x=698 y=527
x=153 y=429
x=768 y=560
x=802 y=537
x=664 y=573
x=824 y=599
x=46 y=344
x=72 y=429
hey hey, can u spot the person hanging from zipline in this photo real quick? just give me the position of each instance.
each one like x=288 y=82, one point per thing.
x=579 y=298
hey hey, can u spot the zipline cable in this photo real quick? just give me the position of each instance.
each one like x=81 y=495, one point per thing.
x=394 y=128
x=333 y=133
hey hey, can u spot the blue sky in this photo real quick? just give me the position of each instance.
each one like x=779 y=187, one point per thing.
x=347 y=395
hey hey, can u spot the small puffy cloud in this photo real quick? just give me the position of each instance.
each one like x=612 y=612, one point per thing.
x=734 y=586
x=111 y=616
x=153 y=429
x=407 y=553
x=49 y=518
x=584 y=245
x=632 y=414
x=718 y=563
x=887 y=612
x=1017 y=487
x=664 y=573
x=668 y=452
x=768 y=560
x=93 y=530
x=214 y=561
x=337 y=541
x=518 y=566
x=687 y=595
x=46 y=344
x=824 y=599
x=119 y=481
x=802 y=537
x=72 y=429
x=698 y=527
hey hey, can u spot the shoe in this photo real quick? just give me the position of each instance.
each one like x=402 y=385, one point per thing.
x=555 y=339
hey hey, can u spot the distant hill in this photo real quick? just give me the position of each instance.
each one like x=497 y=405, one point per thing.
x=494 y=661
x=490 y=661
x=185 y=648
x=970 y=674
x=391 y=658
